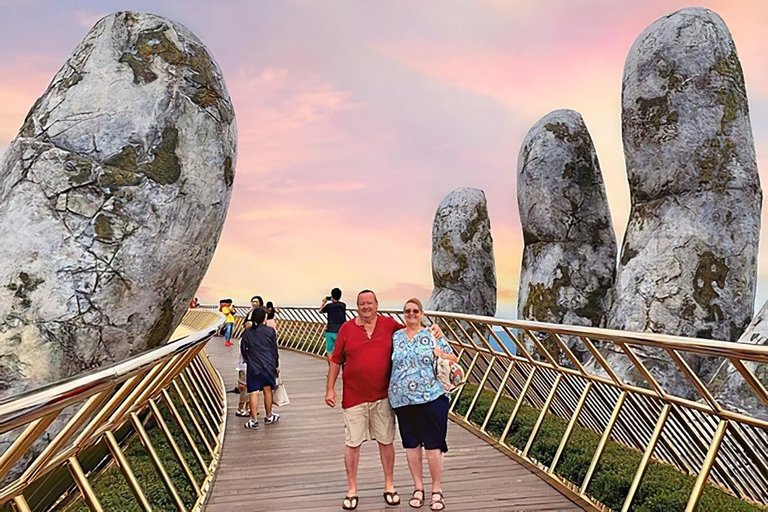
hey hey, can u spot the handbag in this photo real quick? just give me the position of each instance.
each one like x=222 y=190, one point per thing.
x=280 y=395
x=449 y=374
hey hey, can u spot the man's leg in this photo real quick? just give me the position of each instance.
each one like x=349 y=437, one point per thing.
x=351 y=461
x=387 y=453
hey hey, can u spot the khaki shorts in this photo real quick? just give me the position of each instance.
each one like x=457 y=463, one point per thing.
x=371 y=420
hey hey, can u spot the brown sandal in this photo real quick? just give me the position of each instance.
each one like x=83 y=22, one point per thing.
x=352 y=500
x=437 y=504
x=391 y=498
x=420 y=501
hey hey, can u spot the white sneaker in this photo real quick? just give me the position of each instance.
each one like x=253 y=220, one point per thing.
x=272 y=418
x=252 y=424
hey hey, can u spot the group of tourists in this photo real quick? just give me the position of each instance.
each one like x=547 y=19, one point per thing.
x=389 y=371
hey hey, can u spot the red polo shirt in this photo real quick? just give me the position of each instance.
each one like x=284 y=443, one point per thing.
x=367 y=362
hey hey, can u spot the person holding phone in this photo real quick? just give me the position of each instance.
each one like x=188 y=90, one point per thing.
x=337 y=315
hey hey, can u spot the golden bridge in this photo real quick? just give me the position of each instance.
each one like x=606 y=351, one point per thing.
x=529 y=430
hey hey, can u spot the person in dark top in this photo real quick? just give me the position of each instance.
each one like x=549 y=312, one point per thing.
x=256 y=302
x=259 y=349
x=337 y=315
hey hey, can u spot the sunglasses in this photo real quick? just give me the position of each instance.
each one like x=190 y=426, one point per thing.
x=411 y=311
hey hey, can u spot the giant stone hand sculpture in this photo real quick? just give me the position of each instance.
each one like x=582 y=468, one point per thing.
x=112 y=200
x=688 y=264
x=569 y=259
x=463 y=267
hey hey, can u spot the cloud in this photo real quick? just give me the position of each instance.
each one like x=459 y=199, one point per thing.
x=278 y=213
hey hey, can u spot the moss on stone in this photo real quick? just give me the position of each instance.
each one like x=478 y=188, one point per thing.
x=121 y=169
x=116 y=177
x=102 y=227
x=655 y=122
x=542 y=303
x=229 y=173
x=710 y=271
x=732 y=94
x=165 y=168
x=142 y=73
x=25 y=285
x=627 y=253
x=80 y=171
x=559 y=130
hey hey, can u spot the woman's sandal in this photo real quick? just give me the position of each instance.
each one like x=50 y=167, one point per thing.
x=419 y=502
x=391 y=498
x=437 y=504
x=352 y=500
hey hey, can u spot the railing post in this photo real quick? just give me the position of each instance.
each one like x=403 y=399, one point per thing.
x=698 y=487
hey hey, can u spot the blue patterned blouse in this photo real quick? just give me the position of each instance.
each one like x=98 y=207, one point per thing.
x=413 y=376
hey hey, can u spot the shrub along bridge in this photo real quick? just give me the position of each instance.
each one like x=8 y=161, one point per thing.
x=530 y=430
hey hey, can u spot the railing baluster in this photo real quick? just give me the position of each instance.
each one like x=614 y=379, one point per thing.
x=192 y=418
x=86 y=491
x=185 y=431
x=698 y=487
x=518 y=405
x=479 y=389
x=174 y=447
x=542 y=414
x=20 y=504
x=22 y=443
x=497 y=396
x=155 y=459
x=646 y=457
x=603 y=441
x=569 y=429
x=125 y=469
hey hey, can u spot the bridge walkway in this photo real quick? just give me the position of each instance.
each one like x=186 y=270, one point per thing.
x=297 y=463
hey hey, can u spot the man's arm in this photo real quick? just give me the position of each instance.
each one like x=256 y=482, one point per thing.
x=330 y=383
x=322 y=305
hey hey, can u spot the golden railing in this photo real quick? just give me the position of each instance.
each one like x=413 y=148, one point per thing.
x=712 y=443
x=59 y=439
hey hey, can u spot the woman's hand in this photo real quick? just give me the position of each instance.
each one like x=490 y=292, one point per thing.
x=436 y=331
x=438 y=353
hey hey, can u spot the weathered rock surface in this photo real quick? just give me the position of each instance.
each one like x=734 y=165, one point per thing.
x=112 y=200
x=569 y=259
x=689 y=260
x=463 y=266
x=728 y=386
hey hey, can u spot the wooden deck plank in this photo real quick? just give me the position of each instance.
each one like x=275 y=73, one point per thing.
x=298 y=463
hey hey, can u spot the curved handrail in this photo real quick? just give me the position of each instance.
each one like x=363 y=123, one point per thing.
x=702 y=437
x=35 y=403
x=130 y=392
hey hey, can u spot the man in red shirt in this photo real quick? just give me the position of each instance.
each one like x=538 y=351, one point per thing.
x=364 y=348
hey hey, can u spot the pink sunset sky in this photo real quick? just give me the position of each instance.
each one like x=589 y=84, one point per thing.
x=356 y=118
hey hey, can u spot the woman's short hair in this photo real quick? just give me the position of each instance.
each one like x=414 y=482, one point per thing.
x=416 y=301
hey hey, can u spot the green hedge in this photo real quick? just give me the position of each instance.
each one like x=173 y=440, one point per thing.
x=663 y=488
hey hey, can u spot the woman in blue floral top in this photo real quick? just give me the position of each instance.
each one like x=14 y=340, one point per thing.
x=419 y=400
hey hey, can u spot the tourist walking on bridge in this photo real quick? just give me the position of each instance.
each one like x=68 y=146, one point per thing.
x=228 y=310
x=420 y=401
x=259 y=349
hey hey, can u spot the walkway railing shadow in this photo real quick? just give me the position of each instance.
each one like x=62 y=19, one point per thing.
x=561 y=420
x=167 y=404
